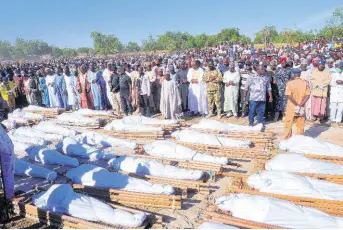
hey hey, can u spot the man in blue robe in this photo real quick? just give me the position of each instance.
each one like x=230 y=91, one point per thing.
x=44 y=88
x=61 y=89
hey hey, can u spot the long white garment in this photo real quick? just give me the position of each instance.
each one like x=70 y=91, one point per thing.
x=214 y=225
x=60 y=198
x=143 y=166
x=336 y=98
x=170 y=105
x=301 y=164
x=307 y=76
x=26 y=139
x=23 y=168
x=289 y=184
x=30 y=132
x=50 y=80
x=90 y=175
x=76 y=118
x=169 y=149
x=50 y=127
x=93 y=138
x=231 y=91
x=190 y=136
x=221 y=126
x=107 y=76
x=71 y=89
x=197 y=100
x=7 y=162
x=308 y=145
x=121 y=126
x=74 y=149
x=277 y=212
x=43 y=155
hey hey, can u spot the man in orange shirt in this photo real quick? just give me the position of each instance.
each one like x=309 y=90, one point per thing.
x=297 y=93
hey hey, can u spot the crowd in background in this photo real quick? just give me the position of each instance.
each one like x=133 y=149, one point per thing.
x=229 y=79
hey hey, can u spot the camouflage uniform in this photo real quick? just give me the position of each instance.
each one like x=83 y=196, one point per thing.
x=213 y=89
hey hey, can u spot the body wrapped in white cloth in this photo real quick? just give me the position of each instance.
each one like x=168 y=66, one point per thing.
x=309 y=145
x=277 y=212
x=77 y=119
x=143 y=166
x=190 y=136
x=301 y=164
x=30 y=132
x=289 y=184
x=141 y=120
x=214 y=225
x=26 y=139
x=121 y=126
x=23 y=168
x=43 y=155
x=61 y=199
x=90 y=175
x=19 y=113
x=50 y=127
x=93 y=138
x=86 y=112
x=169 y=149
x=221 y=126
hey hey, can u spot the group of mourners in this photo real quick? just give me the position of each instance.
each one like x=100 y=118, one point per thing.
x=293 y=82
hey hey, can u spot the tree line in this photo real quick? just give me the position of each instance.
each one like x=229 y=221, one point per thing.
x=109 y=44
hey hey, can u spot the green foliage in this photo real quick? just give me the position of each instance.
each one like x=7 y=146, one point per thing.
x=56 y=52
x=266 y=35
x=83 y=50
x=132 y=47
x=68 y=52
x=106 y=44
x=5 y=50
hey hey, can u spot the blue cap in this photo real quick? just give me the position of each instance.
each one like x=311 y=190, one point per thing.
x=341 y=64
x=322 y=62
x=296 y=71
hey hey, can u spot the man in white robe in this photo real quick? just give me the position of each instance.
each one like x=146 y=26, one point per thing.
x=106 y=74
x=170 y=104
x=50 y=80
x=197 y=101
x=71 y=89
x=336 y=95
x=231 y=80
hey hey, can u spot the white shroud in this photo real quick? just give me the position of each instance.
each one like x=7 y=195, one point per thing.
x=75 y=118
x=26 y=139
x=30 y=132
x=60 y=198
x=169 y=149
x=214 y=225
x=221 y=126
x=23 y=168
x=50 y=127
x=143 y=166
x=141 y=120
x=289 y=184
x=277 y=212
x=194 y=137
x=93 y=138
x=92 y=112
x=301 y=164
x=121 y=126
x=309 y=145
x=90 y=175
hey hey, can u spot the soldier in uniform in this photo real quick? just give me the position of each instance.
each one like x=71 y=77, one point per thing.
x=213 y=78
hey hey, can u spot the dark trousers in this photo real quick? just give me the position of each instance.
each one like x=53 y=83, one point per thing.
x=244 y=105
x=125 y=103
x=261 y=107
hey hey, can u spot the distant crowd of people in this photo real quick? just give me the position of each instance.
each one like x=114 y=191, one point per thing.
x=229 y=79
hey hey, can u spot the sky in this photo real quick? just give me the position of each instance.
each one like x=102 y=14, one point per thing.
x=68 y=23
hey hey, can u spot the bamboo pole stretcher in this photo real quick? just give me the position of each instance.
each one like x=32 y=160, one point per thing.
x=134 y=135
x=229 y=152
x=331 y=207
x=59 y=220
x=213 y=213
x=132 y=199
x=332 y=159
x=48 y=114
x=75 y=125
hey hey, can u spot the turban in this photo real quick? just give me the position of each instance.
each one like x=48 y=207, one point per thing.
x=282 y=60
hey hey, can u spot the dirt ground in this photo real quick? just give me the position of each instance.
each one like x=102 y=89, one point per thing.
x=191 y=213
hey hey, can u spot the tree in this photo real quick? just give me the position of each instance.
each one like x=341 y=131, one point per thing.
x=106 y=44
x=266 y=35
x=68 y=52
x=228 y=35
x=132 y=47
x=83 y=50
x=56 y=52
x=334 y=25
x=150 y=44
x=200 y=40
x=5 y=50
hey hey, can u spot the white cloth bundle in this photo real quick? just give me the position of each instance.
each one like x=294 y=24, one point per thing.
x=73 y=148
x=143 y=166
x=50 y=127
x=169 y=149
x=38 y=108
x=289 y=184
x=90 y=175
x=60 y=198
x=23 y=168
x=214 y=225
x=92 y=112
x=78 y=119
x=309 y=145
x=26 y=139
x=221 y=126
x=277 y=212
x=121 y=126
x=141 y=120
x=194 y=137
x=19 y=113
x=44 y=155
x=301 y=164
x=30 y=132
x=93 y=138
x=19 y=146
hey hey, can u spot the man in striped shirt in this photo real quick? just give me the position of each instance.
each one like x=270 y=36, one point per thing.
x=245 y=74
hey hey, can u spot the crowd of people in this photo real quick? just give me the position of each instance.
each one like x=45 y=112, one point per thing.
x=292 y=82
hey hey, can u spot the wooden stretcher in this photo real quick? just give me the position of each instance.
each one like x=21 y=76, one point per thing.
x=332 y=159
x=59 y=220
x=213 y=213
x=72 y=124
x=102 y=116
x=132 y=199
x=331 y=207
x=229 y=152
x=135 y=135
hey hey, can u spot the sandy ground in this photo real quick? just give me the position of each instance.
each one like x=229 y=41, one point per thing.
x=193 y=207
